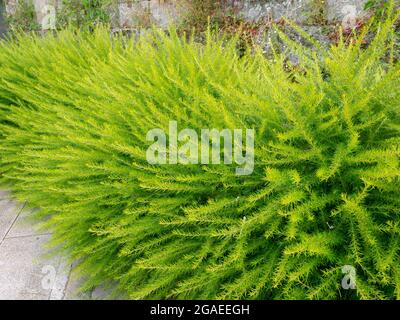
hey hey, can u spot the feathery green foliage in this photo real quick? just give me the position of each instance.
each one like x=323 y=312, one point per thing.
x=74 y=112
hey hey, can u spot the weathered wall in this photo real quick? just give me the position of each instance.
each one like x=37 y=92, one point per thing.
x=345 y=12
x=2 y=20
x=132 y=13
x=300 y=11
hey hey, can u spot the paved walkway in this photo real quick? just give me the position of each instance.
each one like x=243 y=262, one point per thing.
x=25 y=271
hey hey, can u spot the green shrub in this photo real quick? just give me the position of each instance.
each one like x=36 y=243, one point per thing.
x=75 y=110
x=84 y=14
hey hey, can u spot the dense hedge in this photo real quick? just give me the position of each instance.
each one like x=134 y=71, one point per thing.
x=74 y=112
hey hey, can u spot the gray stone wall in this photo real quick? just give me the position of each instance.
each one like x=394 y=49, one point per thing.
x=329 y=13
x=134 y=13
x=301 y=10
x=145 y=12
x=3 y=26
x=254 y=10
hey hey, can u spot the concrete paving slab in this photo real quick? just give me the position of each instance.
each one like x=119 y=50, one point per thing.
x=73 y=291
x=25 y=274
x=9 y=211
x=23 y=225
x=4 y=195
